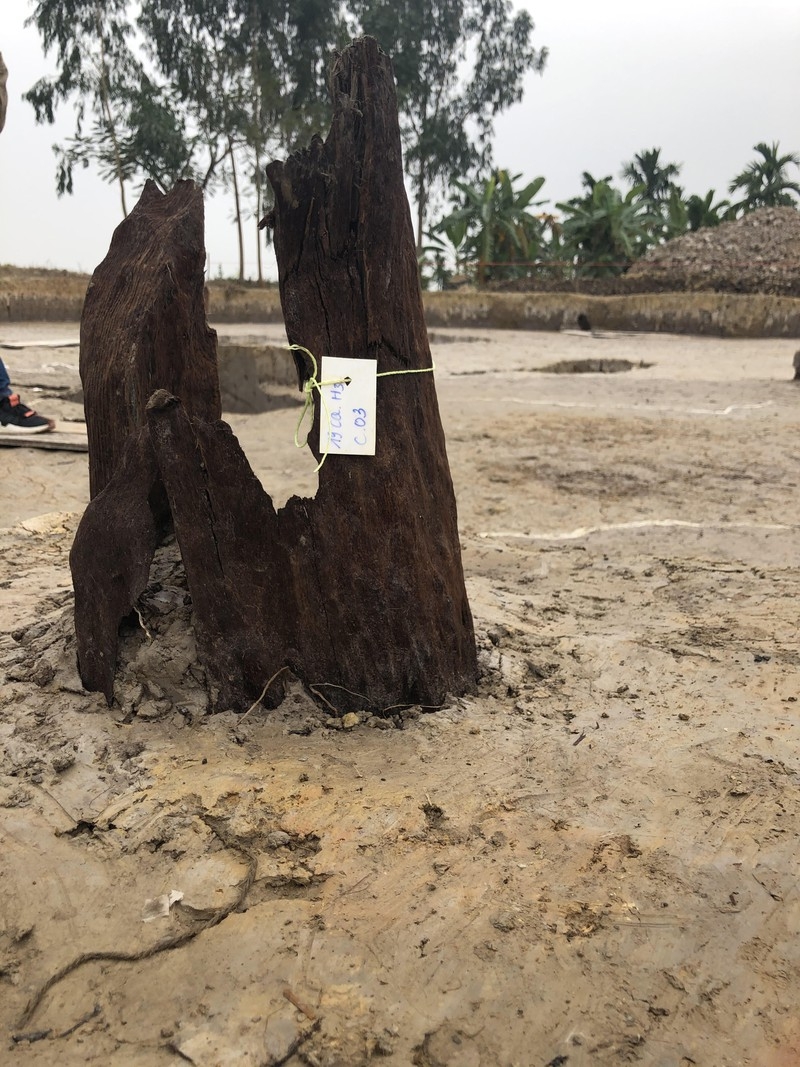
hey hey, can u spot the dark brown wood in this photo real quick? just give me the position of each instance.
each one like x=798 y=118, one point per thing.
x=144 y=326
x=359 y=592
x=384 y=611
x=110 y=561
x=238 y=571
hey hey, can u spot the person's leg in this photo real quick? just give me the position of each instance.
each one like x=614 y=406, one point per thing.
x=5 y=383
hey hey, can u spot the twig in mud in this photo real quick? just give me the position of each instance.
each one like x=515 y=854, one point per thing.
x=172 y=1047
x=324 y=700
x=58 y=804
x=332 y=685
x=147 y=633
x=34 y=1035
x=422 y=707
x=383 y=711
x=177 y=941
x=263 y=693
x=298 y=1003
x=353 y=887
x=578 y=740
x=83 y=1019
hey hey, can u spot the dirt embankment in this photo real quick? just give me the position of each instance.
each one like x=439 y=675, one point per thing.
x=704 y=314
x=31 y=295
x=57 y=296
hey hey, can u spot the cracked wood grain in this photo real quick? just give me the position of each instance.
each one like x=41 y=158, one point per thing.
x=361 y=589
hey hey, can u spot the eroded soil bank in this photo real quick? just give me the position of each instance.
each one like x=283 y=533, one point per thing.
x=593 y=861
x=57 y=296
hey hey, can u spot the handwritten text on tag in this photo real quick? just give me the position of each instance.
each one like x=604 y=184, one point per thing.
x=347 y=408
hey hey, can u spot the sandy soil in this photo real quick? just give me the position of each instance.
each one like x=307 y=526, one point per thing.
x=591 y=862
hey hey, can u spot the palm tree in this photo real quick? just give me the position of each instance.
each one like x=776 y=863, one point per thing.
x=588 y=181
x=702 y=211
x=646 y=169
x=674 y=212
x=765 y=182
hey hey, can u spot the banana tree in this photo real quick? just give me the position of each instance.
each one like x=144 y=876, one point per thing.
x=605 y=231
x=494 y=224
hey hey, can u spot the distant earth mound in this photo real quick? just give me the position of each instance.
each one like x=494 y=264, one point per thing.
x=759 y=253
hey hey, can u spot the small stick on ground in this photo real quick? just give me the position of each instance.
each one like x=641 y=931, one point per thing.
x=298 y=1003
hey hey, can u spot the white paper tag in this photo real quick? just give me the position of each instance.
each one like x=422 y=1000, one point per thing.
x=347 y=407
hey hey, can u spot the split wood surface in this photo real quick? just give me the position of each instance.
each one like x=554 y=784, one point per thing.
x=359 y=591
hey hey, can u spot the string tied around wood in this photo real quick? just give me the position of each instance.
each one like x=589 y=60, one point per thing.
x=312 y=384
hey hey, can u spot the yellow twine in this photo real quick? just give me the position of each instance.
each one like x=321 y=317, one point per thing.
x=311 y=383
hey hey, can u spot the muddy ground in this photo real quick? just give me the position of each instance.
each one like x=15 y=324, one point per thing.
x=592 y=861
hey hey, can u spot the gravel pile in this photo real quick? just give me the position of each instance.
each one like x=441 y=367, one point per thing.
x=759 y=253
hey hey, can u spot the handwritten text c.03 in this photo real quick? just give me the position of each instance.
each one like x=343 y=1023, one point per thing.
x=347 y=411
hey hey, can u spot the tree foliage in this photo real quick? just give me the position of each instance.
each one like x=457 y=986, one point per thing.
x=250 y=75
x=211 y=89
x=656 y=179
x=157 y=142
x=765 y=181
x=98 y=70
x=494 y=222
x=458 y=64
x=606 y=230
x=192 y=88
x=703 y=211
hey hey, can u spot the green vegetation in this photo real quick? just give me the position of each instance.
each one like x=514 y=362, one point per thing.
x=765 y=182
x=212 y=89
x=494 y=223
x=491 y=233
x=458 y=64
x=606 y=231
x=655 y=179
x=169 y=89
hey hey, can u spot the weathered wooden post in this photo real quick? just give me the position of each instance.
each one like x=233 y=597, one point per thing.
x=143 y=327
x=360 y=591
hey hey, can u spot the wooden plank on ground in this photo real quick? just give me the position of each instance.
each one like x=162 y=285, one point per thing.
x=67 y=437
x=18 y=345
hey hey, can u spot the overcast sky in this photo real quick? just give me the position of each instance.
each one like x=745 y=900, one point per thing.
x=704 y=80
